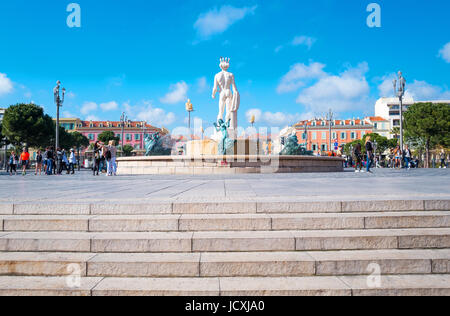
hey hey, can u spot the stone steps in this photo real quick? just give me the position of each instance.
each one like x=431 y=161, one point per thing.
x=225 y=248
x=219 y=241
x=412 y=285
x=224 y=222
x=221 y=207
x=225 y=264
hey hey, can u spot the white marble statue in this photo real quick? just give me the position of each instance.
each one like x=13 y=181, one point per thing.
x=224 y=82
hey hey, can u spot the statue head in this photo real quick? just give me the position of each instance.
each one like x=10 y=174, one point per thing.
x=224 y=63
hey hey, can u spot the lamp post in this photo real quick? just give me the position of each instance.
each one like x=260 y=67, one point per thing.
x=252 y=120
x=330 y=116
x=59 y=100
x=189 y=109
x=123 y=120
x=400 y=92
x=375 y=145
x=306 y=134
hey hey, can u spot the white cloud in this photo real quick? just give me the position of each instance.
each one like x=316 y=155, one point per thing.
x=88 y=107
x=423 y=91
x=304 y=40
x=346 y=91
x=296 y=77
x=177 y=93
x=276 y=119
x=68 y=114
x=109 y=106
x=71 y=95
x=202 y=84
x=6 y=85
x=217 y=21
x=386 y=88
x=279 y=48
x=145 y=111
x=418 y=90
x=92 y=118
x=445 y=52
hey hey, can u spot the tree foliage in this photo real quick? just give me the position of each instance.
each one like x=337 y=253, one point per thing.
x=79 y=140
x=27 y=124
x=383 y=143
x=127 y=150
x=106 y=136
x=428 y=123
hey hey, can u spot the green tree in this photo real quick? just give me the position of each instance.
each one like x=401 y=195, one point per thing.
x=428 y=125
x=27 y=124
x=79 y=140
x=106 y=136
x=127 y=150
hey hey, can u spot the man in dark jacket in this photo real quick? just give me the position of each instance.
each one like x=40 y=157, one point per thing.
x=370 y=156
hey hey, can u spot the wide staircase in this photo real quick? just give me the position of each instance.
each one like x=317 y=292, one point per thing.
x=230 y=248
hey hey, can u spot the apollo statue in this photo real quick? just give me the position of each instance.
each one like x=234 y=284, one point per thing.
x=224 y=83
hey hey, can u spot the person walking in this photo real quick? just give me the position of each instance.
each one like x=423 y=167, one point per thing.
x=39 y=159
x=107 y=156
x=45 y=160
x=72 y=162
x=370 y=155
x=97 y=157
x=50 y=161
x=407 y=157
x=24 y=161
x=65 y=161
x=357 y=153
x=397 y=157
x=112 y=166
x=13 y=161
x=442 y=158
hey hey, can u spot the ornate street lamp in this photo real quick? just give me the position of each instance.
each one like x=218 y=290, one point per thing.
x=252 y=120
x=189 y=109
x=59 y=100
x=400 y=92
x=330 y=116
x=123 y=120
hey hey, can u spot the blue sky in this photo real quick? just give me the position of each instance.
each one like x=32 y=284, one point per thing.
x=291 y=59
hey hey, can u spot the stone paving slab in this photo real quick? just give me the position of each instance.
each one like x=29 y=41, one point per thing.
x=384 y=184
x=158 y=287
x=401 y=285
x=45 y=286
x=304 y=286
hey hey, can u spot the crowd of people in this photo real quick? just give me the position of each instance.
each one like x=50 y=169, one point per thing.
x=396 y=159
x=56 y=162
x=105 y=154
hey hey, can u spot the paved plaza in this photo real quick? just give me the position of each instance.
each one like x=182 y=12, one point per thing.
x=383 y=184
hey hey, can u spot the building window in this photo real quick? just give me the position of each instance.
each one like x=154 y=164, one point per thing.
x=304 y=136
x=314 y=135
x=137 y=147
x=314 y=147
x=324 y=135
x=91 y=137
x=323 y=147
x=362 y=134
x=334 y=135
x=137 y=136
x=119 y=136
x=375 y=125
x=343 y=136
x=353 y=135
x=128 y=137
